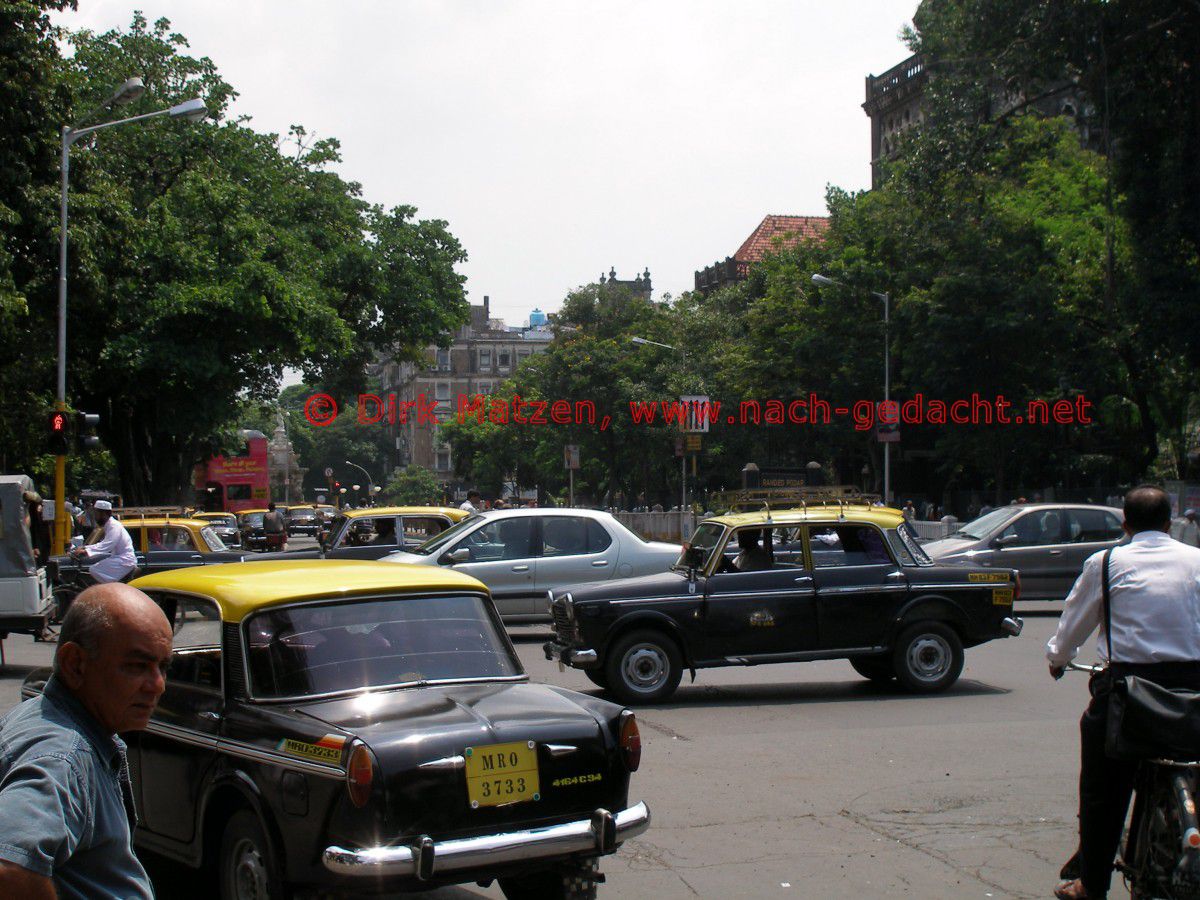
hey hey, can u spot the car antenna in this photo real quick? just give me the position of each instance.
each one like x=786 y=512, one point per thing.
x=841 y=512
x=767 y=509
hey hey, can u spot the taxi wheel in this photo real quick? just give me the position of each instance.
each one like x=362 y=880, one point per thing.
x=643 y=667
x=928 y=657
x=247 y=868
x=876 y=668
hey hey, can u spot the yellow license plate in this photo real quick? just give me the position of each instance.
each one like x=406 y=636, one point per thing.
x=502 y=773
x=1002 y=596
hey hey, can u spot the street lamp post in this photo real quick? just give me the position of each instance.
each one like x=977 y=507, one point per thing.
x=370 y=482
x=645 y=342
x=190 y=111
x=822 y=281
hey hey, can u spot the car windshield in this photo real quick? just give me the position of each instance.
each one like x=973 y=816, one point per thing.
x=253 y=520
x=437 y=543
x=978 y=529
x=325 y=648
x=211 y=538
x=705 y=538
x=302 y=514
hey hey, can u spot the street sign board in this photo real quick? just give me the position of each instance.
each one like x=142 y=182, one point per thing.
x=695 y=407
x=693 y=443
x=328 y=471
x=571 y=456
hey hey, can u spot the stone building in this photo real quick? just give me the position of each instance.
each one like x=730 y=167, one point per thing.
x=482 y=353
x=772 y=233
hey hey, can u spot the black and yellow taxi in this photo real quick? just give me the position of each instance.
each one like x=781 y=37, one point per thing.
x=373 y=532
x=825 y=581
x=364 y=727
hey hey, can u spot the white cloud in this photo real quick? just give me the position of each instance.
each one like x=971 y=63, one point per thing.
x=560 y=137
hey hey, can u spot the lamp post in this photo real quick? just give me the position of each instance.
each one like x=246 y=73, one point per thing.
x=190 y=111
x=370 y=482
x=823 y=281
x=645 y=342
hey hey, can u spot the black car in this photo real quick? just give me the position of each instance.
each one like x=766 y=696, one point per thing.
x=363 y=727
x=225 y=526
x=826 y=582
x=303 y=520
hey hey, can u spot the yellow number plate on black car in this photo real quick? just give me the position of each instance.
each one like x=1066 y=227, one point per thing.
x=502 y=773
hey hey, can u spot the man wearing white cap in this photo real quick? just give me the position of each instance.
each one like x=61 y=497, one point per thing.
x=115 y=547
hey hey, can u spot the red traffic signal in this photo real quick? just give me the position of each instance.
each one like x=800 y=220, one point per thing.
x=60 y=428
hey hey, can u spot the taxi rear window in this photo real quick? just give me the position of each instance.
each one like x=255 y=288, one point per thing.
x=328 y=648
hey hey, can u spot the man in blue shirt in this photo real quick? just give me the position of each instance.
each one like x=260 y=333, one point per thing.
x=66 y=807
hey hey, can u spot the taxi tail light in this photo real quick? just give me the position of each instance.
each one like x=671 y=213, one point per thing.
x=1016 y=586
x=360 y=774
x=630 y=741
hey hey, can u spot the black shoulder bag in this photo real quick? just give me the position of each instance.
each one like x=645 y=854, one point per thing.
x=1145 y=720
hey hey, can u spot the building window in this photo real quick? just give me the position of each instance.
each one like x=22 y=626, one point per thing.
x=503 y=359
x=523 y=354
x=443 y=360
x=484 y=387
x=442 y=391
x=443 y=461
x=485 y=360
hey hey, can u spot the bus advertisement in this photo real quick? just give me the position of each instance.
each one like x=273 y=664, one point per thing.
x=235 y=483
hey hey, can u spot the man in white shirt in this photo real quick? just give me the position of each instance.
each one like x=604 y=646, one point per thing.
x=114 y=549
x=1154 y=604
x=468 y=505
x=1186 y=530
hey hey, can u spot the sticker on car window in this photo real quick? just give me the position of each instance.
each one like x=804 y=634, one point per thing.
x=988 y=577
x=327 y=749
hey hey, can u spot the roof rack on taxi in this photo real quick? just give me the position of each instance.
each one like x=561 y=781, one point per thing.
x=768 y=499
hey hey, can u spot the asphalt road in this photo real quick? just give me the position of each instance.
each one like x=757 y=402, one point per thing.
x=807 y=781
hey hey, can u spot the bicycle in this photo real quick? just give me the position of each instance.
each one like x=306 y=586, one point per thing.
x=1160 y=851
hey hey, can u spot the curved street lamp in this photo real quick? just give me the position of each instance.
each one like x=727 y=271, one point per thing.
x=824 y=281
x=189 y=111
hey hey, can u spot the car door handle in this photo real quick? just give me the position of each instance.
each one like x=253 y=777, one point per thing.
x=520 y=568
x=600 y=563
x=896 y=575
x=1055 y=553
x=197 y=557
x=804 y=579
x=210 y=716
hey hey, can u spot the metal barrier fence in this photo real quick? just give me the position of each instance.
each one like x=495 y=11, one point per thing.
x=932 y=531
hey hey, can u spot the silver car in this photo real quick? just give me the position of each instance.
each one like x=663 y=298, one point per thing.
x=521 y=554
x=1046 y=542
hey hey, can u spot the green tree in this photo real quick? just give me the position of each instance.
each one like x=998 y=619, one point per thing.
x=413 y=486
x=207 y=259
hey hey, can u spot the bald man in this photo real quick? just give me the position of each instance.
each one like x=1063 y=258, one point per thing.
x=66 y=807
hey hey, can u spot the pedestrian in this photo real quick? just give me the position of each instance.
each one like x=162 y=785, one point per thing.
x=531 y=503
x=275 y=528
x=66 y=805
x=471 y=504
x=1154 y=588
x=499 y=503
x=910 y=511
x=114 y=547
x=1186 y=530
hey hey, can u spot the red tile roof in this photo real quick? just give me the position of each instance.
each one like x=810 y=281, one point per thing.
x=775 y=231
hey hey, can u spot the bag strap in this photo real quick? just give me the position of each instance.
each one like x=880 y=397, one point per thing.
x=1107 y=608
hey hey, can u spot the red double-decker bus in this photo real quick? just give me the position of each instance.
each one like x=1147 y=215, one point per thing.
x=234 y=483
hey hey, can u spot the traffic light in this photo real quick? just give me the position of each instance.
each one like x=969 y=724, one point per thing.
x=85 y=431
x=59 y=433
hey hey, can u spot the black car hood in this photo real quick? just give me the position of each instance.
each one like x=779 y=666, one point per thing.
x=409 y=726
x=660 y=584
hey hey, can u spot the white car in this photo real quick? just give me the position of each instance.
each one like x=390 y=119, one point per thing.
x=521 y=554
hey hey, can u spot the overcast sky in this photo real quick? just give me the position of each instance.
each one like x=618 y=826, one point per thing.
x=560 y=138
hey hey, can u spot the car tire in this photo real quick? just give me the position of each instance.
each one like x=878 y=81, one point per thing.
x=643 y=667
x=575 y=882
x=247 y=869
x=596 y=677
x=874 y=668
x=927 y=657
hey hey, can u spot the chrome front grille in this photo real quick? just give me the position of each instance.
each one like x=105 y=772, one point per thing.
x=563 y=630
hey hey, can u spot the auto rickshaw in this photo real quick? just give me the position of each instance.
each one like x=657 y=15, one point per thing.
x=26 y=599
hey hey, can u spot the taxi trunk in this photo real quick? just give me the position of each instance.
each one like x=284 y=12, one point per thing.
x=485 y=757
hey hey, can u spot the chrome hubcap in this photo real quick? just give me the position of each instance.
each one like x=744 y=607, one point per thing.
x=929 y=657
x=249 y=872
x=645 y=667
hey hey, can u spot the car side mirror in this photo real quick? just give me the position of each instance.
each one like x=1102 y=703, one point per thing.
x=693 y=559
x=1006 y=540
x=462 y=554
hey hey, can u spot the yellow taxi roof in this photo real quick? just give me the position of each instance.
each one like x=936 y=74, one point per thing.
x=162 y=521
x=448 y=511
x=241 y=588
x=242 y=512
x=210 y=515
x=883 y=516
